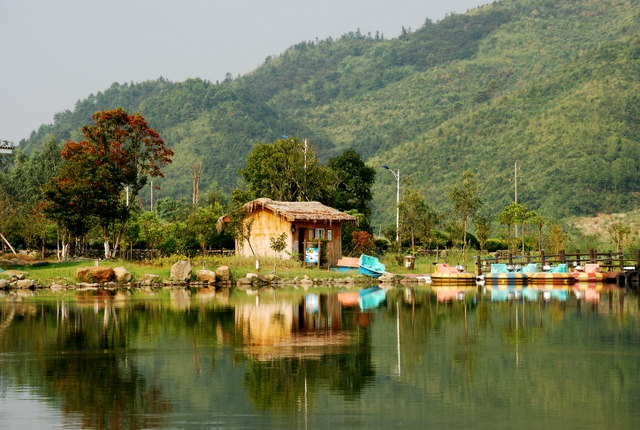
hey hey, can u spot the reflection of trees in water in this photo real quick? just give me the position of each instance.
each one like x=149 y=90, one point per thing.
x=82 y=355
x=287 y=383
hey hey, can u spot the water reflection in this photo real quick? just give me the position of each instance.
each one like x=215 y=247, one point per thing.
x=282 y=358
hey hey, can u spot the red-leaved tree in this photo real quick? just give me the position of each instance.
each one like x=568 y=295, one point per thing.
x=117 y=155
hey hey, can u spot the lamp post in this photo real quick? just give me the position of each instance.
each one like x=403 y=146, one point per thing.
x=396 y=174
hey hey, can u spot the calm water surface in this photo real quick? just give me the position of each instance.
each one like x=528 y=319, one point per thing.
x=421 y=357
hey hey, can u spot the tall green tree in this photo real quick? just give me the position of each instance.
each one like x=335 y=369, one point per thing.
x=466 y=201
x=417 y=219
x=286 y=170
x=353 y=179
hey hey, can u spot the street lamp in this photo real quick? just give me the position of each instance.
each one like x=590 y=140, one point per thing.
x=396 y=174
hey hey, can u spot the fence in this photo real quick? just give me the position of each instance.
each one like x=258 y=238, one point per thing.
x=147 y=254
x=608 y=261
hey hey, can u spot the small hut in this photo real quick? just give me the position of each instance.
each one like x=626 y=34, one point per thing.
x=306 y=226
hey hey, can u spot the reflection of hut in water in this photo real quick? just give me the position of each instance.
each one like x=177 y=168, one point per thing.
x=285 y=329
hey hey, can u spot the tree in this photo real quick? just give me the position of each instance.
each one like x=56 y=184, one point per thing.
x=482 y=224
x=202 y=223
x=415 y=216
x=466 y=201
x=353 y=179
x=619 y=234
x=118 y=153
x=286 y=170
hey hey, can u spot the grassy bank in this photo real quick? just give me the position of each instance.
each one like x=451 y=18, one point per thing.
x=64 y=272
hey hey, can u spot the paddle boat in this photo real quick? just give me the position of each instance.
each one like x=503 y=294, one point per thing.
x=346 y=264
x=370 y=266
x=554 y=275
x=447 y=275
x=589 y=273
x=503 y=274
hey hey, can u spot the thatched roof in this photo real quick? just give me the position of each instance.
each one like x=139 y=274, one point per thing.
x=300 y=211
x=297 y=211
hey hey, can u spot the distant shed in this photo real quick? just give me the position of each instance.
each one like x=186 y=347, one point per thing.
x=303 y=223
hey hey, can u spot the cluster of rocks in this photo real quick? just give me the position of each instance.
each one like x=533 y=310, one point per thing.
x=182 y=273
x=16 y=279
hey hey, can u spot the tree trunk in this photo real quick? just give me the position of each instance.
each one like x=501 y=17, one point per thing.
x=107 y=244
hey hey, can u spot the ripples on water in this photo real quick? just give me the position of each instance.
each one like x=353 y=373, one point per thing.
x=404 y=357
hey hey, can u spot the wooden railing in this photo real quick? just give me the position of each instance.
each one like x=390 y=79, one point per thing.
x=608 y=261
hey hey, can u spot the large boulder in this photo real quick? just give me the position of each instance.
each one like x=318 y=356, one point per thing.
x=206 y=276
x=26 y=283
x=149 y=279
x=223 y=273
x=122 y=275
x=95 y=274
x=181 y=271
x=4 y=284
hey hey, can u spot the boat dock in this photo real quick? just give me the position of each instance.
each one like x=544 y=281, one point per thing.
x=623 y=269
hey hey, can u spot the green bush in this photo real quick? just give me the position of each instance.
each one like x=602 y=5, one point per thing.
x=495 y=244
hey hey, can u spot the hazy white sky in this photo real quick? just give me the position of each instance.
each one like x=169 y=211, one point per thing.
x=56 y=52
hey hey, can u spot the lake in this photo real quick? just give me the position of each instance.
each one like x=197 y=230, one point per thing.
x=414 y=357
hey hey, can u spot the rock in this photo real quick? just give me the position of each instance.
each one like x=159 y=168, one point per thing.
x=206 y=276
x=99 y=274
x=58 y=287
x=181 y=271
x=122 y=275
x=150 y=279
x=273 y=278
x=387 y=277
x=244 y=282
x=26 y=283
x=251 y=275
x=223 y=273
x=14 y=275
x=306 y=282
x=4 y=283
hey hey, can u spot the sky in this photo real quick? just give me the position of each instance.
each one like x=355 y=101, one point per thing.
x=56 y=52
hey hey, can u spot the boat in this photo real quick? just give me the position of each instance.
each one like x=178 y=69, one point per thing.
x=589 y=273
x=370 y=266
x=346 y=264
x=503 y=274
x=447 y=275
x=555 y=275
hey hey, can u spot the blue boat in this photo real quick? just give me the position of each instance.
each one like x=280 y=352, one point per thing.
x=371 y=298
x=370 y=266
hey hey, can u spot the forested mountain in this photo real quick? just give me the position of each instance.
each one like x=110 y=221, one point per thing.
x=551 y=84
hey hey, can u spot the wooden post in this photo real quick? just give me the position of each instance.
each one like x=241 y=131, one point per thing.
x=542 y=258
x=592 y=256
x=319 y=252
x=479 y=265
x=621 y=258
x=562 y=257
x=510 y=259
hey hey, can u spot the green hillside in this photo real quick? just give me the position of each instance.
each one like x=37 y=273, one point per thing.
x=551 y=84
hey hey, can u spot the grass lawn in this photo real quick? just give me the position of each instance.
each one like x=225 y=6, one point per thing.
x=64 y=272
